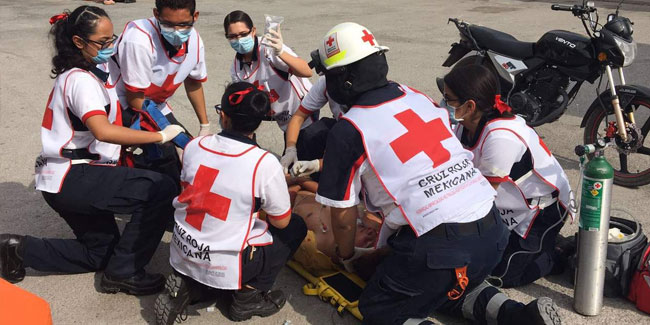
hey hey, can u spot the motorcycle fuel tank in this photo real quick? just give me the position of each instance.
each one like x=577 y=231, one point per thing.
x=565 y=48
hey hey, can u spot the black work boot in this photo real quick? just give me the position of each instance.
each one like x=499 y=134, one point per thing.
x=252 y=302
x=543 y=311
x=138 y=285
x=170 y=305
x=11 y=260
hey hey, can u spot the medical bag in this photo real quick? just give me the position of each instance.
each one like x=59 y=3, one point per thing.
x=622 y=257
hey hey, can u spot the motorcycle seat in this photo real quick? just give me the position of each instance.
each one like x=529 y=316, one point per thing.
x=501 y=42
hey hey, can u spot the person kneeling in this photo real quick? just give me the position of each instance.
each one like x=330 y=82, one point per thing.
x=218 y=240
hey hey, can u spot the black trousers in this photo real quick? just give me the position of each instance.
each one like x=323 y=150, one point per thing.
x=527 y=267
x=414 y=279
x=88 y=200
x=262 y=269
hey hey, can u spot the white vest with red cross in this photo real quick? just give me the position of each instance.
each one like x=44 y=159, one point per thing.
x=285 y=94
x=167 y=73
x=215 y=213
x=58 y=133
x=546 y=176
x=419 y=161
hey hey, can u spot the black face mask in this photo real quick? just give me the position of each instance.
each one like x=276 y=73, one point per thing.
x=345 y=84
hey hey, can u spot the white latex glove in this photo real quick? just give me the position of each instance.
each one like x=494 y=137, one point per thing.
x=303 y=168
x=274 y=40
x=170 y=132
x=290 y=157
x=358 y=252
x=204 y=129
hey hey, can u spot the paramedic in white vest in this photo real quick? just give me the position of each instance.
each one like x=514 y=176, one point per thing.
x=533 y=193
x=155 y=56
x=269 y=63
x=440 y=225
x=77 y=174
x=218 y=240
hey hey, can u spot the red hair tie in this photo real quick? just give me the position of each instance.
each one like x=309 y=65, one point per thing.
x=58 y=17
x=500 y=105
x=237 y=97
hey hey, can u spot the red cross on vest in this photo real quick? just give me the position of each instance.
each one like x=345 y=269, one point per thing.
x=368 y=38
x=421 y=137
x=330 y=41
x=200 y=200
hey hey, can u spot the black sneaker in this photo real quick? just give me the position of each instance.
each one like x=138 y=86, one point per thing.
x=252 y=302
x=138 y=285
x=170 y=305
x=543 y=311
x=11 y=261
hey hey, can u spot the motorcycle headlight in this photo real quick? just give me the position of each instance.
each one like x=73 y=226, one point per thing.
x=628 y=49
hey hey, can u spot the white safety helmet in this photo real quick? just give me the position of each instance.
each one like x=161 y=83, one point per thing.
x=347 y=43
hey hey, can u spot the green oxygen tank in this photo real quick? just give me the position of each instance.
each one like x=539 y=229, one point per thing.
x=596 y=194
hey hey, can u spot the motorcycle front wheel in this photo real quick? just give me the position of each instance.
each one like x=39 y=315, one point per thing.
x=631 y=169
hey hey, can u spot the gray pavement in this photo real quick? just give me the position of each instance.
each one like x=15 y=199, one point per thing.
x=419 y=39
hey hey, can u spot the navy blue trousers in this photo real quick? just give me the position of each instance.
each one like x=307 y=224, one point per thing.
x=414 y=279
x=88 y=200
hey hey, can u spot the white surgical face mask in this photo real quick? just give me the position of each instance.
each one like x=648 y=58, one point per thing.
x=452 y=112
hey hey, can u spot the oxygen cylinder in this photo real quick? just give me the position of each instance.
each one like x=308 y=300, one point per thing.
x=596 y=194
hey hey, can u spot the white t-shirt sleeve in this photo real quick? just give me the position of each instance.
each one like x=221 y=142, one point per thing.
x=501 y=150
x=135 y=54
x=315 y=98
x=275 y=61
x=273 y=190
x=84 y=95
x=200 y=71
x=233 y=74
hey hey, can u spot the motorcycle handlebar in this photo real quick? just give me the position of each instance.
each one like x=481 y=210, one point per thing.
x=559 y=7
x=575 y=9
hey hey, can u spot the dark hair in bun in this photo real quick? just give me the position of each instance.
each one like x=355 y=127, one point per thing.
x=245 y=105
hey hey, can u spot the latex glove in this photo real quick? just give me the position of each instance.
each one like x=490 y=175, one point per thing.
x=348 y=264
x=274 y=40
x=204 y=129
x=170 y=132
x=303 y=168
x=290 y=157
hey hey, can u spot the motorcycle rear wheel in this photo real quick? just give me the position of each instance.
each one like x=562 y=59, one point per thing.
x=633 y=169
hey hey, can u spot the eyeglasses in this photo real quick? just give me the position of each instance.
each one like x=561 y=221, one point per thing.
x=447 y=99
x=238 y=36
x=218 y=108
x=104 y=44
x=168 y=24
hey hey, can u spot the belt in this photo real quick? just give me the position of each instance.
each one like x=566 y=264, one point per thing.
x=464 y=229
x=544 y=201
x=79 y=154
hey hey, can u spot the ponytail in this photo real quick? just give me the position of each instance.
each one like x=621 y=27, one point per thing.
x=81 y=22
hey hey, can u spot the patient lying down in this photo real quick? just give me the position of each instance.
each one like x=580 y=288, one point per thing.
x=316 y=250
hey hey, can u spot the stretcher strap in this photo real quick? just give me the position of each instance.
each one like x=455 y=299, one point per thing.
x=461 y=283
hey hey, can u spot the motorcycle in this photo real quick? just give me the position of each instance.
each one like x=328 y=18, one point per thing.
x=539 y=80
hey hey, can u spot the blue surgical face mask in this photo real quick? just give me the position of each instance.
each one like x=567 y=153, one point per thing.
x=175 y=37
x=103 y=55
x=243 y=45
x=452 y=112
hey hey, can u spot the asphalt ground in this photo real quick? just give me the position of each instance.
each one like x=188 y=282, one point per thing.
x=419 y=38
